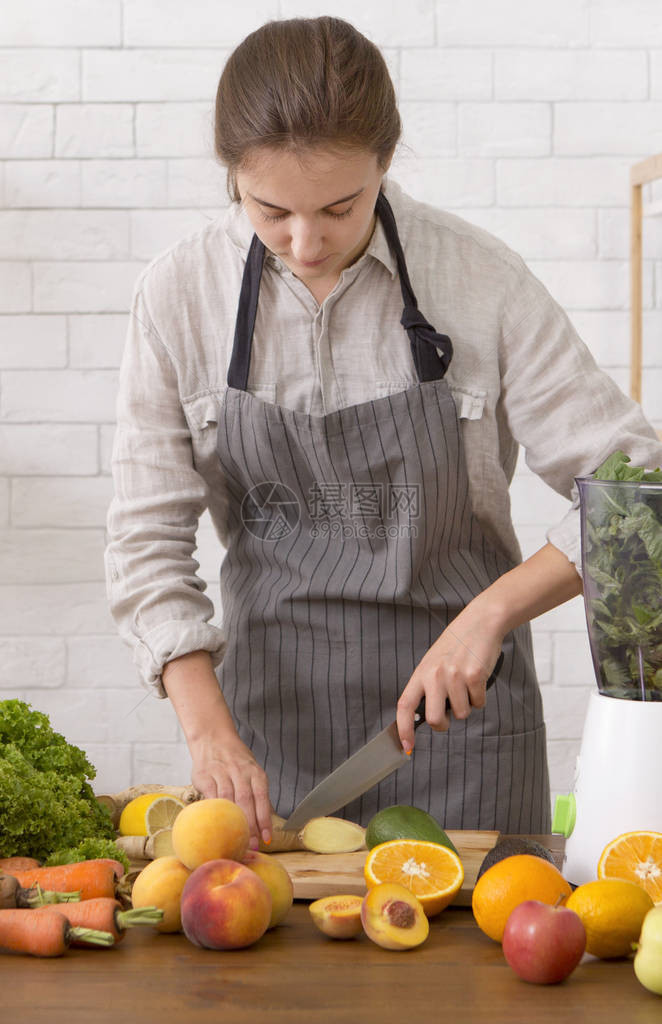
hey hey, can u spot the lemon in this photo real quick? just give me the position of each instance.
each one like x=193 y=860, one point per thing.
x=162 y=813
x=612 y=912
x=143 y=815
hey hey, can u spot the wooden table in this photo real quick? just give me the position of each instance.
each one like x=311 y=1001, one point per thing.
x=295 y=975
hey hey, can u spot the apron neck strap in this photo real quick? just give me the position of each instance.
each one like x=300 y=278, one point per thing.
x=432 y=352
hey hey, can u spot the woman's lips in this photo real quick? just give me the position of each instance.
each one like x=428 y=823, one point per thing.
x=315 y=263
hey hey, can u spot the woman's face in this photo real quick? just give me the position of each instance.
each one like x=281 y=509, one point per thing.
x=315 y=212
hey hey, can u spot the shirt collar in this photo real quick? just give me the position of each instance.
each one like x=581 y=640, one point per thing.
x=240 y=232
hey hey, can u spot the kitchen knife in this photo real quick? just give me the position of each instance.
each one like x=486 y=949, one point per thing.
x=373 y=762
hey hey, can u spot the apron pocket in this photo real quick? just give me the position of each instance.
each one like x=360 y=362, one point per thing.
x=485 y=781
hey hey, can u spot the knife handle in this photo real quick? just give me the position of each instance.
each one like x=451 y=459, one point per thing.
x=419 y=714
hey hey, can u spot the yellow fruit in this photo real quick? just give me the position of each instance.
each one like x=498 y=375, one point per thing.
x=612 y=912
x=433 y=873
x=210 y=829
x=160 y=884
x=510 y=882
x=636 y=856
x=134 y=818
x=162 y=813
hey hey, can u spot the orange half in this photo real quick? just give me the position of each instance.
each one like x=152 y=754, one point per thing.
x=431 y=871
x=637 y=857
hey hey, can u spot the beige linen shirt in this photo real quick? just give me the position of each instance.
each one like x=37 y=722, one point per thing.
x=520 y=375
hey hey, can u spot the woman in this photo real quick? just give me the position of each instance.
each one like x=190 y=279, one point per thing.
x=343 y=375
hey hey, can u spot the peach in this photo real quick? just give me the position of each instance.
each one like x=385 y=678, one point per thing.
x=160 y=884
x=225 y=905
x=339 y=917
x=278 y=881
x=212 y=829
x=393 y=917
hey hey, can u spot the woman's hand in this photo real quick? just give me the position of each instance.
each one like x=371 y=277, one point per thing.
x=459 y=663
x=457 y=667
x=222 y=765
x=228 y=769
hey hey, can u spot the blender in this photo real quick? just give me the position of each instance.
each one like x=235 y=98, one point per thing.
x=618 y=776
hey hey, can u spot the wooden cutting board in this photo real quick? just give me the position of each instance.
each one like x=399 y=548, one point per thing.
x=330 y=874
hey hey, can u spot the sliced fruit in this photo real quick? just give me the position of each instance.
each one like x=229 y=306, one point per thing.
x=402 y=822
x=160 y=843
x=510 y=882
x=511 y=846
x=393 y=917
x=133 y=820
x=162 y=813
x=339 y=917
x=637 y=857
x=612 y=912
x=432 y=872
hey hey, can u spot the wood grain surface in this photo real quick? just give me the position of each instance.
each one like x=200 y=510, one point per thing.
x=329 y=874
x=295 y=975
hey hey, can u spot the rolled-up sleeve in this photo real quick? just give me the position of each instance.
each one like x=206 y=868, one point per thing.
x=566 y=412
x=155 y=595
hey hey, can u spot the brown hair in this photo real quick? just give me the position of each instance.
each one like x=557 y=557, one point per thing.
x=300 y=83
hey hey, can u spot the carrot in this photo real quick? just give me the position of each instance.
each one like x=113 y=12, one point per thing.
x=17 y=864
x=118 y=867
x=12 y=895
x=42 y=932
x=107 y=915
x=91 y=878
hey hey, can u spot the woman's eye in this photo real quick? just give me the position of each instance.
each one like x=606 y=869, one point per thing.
x=339 y=216
x=273 y=219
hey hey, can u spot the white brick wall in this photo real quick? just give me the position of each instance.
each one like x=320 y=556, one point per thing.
x=524 y=118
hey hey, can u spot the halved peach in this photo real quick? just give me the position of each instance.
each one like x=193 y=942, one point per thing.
x=393 y=917
x=339 y=917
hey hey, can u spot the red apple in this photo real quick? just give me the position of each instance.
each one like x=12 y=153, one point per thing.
x=225 y=905
x=543 y=944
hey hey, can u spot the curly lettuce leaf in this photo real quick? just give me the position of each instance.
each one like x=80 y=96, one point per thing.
x=46 y=801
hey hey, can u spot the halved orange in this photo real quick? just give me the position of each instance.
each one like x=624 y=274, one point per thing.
x=431 y=871
x=637 y=857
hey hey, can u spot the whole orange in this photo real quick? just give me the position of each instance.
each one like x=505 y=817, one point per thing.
x=510 y=882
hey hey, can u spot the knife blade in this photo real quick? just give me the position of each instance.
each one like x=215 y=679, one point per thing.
x=370 y=764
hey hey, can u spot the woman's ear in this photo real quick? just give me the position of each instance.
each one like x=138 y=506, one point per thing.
x=385 y=166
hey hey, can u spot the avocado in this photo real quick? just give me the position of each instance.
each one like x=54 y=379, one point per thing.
x=509 y=848
x=402 y=822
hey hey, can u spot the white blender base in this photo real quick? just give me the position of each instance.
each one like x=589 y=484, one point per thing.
x=618 y=780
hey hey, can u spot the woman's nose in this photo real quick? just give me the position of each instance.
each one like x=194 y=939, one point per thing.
x=306 y=241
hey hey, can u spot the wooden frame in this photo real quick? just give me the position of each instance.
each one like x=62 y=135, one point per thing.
x=640 y=174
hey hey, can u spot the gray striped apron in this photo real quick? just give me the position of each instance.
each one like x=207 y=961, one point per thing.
x=351 y=545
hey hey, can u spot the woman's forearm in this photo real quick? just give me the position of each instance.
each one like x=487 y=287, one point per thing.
x=192 y=686
x=542 y=582
x=460 y=660
x=223 y=766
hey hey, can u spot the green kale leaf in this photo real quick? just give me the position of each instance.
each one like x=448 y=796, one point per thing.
x=623 y=578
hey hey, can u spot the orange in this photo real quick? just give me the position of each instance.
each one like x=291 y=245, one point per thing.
x=432 y=872
x=510 y=882
x=612 y=912
x=636 y=856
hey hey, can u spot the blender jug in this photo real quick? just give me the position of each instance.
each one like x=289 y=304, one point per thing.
x=617 y=777
x=621 y=524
